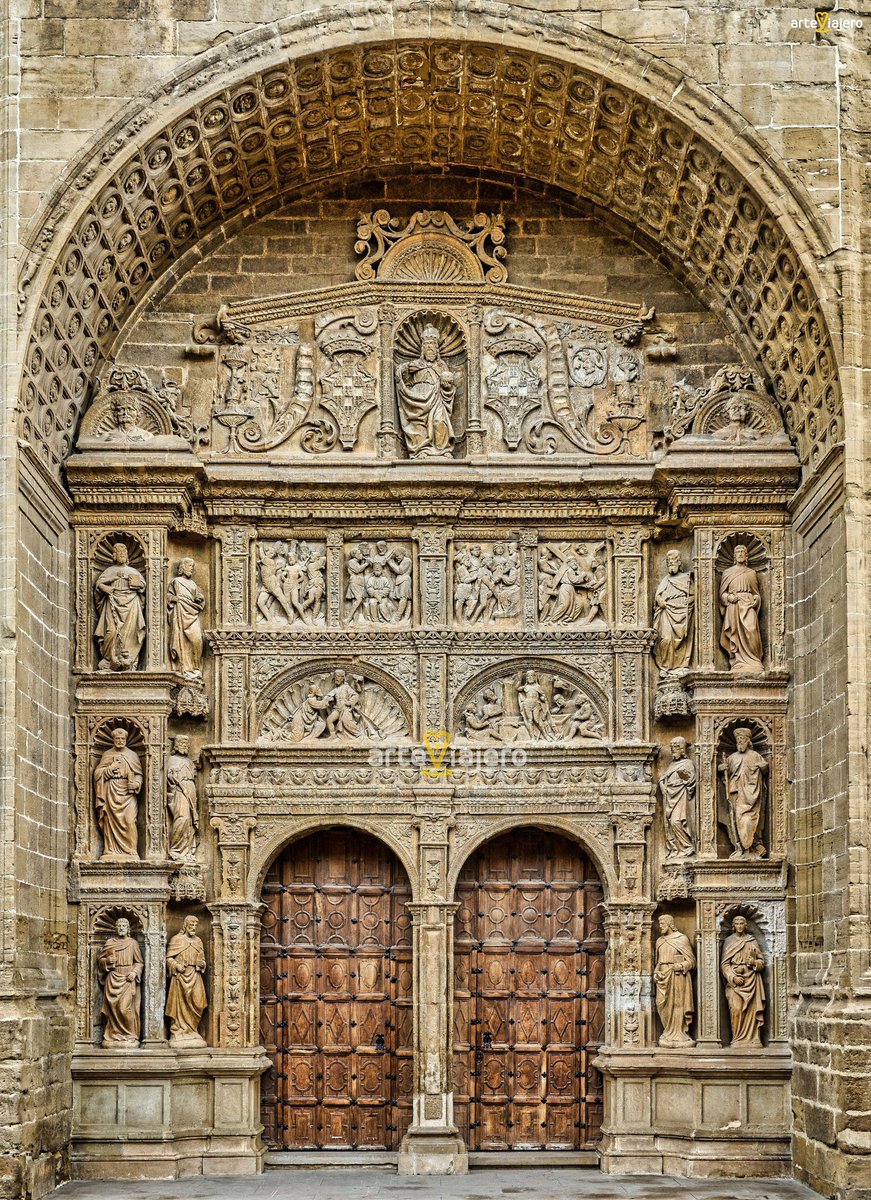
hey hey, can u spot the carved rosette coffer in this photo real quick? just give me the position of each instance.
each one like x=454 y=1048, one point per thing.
x=234 y=599
x=629 y=959
x=145 y=546
x=432 y=541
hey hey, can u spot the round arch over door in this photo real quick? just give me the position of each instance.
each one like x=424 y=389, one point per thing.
x=529 y=995
x=336 y=995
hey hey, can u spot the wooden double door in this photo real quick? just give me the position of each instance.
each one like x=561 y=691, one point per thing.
x=336 y=996
x=529 y=995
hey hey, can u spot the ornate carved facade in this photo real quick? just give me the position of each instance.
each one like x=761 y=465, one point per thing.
x=435 y=556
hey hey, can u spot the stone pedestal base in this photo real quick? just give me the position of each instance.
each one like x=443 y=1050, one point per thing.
x=696 y=1114
x=165 y=1114
x=432 y=1153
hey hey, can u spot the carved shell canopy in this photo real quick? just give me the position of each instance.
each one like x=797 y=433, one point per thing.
x=300 y=712
x=409 y=335
x=431 y=248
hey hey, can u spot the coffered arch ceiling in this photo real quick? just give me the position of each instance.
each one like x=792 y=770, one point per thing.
x=428 y=104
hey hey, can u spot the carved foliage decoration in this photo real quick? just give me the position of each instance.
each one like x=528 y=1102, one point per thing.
x=348 y=703
x=265 y=387
x=431 y=248
x=142 y=218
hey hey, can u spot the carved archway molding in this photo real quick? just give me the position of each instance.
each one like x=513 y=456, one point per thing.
x=274 y=835
x=591 y=834
x=251 y=123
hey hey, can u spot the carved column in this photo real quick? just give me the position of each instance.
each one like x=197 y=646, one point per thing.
x=629 y=982
x=706 y=599
x=154 y=978
x=388 y=431
x=432 y=1145
x=528 y=544
x=432 y=569
x=233 y=595
x=474 y=424
x=335 y=540
x=708 y=984
x=630 y=582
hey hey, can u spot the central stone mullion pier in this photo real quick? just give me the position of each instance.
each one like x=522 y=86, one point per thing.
x=432 y=1145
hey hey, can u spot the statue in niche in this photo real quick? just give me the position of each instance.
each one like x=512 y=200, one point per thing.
x=487 y=583
x=426 y=389
x=186 y=1000
x=742 y=964
x=744 y=773
x=672 y=975
x=677 y=786
x=571 y=585
x=181 y=801
x=120 y=630
x=119 y=970
x=740 y=602
x=673 y=606
x=291 y=587
x=185 y=603
x=379 y=589
x=117 y=782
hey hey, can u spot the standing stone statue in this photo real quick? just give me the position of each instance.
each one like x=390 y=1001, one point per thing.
x=186 y=1001
x=119 y=969
x=185 y=603
x=744 y=774
x=426 y=389
x=677 y=786
x=181 y=801
x=673 y=606
x=740 y=602
x=117 y=781
x=742 y=964
x=120 y=629
x=675 y=963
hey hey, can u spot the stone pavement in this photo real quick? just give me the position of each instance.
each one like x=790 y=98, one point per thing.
x=483 y=1184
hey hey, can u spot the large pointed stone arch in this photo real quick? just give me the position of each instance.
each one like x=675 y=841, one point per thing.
x=259 y=119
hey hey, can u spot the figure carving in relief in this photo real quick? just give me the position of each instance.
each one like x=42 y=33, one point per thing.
x=672 y=975
x=291 y=583
x=117 y=781
x=379 y=588
x=185 y=603
x=127 y=417
x=486 y=583
x=744 y=773
x=531 y=706
x=740 y=602
x=677 y=786
x=186 y=1000
x=181 y=801
x=426 y=390
x=119 y=970
x=571 y=585
x=737 y=431
x=742 y=964
x=120 y=629
x=673 y=606
x=335 y=706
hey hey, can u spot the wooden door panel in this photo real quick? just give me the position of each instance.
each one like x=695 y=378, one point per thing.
x=528 y=996
x=336 y=996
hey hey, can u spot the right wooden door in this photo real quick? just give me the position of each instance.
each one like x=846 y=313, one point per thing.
x=529 y=995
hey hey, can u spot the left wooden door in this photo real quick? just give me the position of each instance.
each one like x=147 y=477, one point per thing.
x=336 y=996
